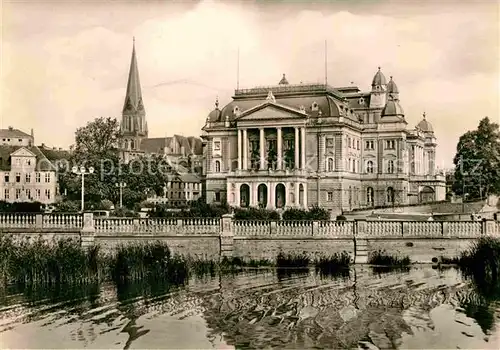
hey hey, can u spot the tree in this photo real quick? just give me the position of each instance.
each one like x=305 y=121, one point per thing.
x=477 y=161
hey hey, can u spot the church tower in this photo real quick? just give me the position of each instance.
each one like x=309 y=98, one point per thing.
x=134 y=127
x=378 y=94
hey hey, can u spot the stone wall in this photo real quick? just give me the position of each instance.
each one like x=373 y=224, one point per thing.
x=422 y=241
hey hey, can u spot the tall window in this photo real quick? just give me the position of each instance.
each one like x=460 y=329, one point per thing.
x=369 y=196
x=37 y=193
x=28 y=177
x=330 y=164
x=390 y=167
x=18 y=193
x=369 y=167
x=47 y=193
x=37 y=177
x=369 y=145
x=28 y=193
x=6 y=193
x=47 y=177
x=18 y=177
x=217 y=166
x=390 y=195
x=390 y=144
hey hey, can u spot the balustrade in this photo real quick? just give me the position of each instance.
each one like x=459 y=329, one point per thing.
x=335 y=228
x=384 y=228
x=17 y=220
x=251 y=227
x=425 y=228
x=294 y=228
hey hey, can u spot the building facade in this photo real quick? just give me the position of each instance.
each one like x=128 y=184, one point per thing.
x=312 y=144
x=179 y=190
x=26 y=175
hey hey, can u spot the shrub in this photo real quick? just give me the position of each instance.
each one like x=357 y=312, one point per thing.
x=341 y=218
x=124 y=213
x=292 y=260
x=68 y=206
x=382 y=258
x=255 y=214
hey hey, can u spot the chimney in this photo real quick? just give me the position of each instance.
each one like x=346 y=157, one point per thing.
x=60 y=149
x=11 y=128
x=43 y=145
x=54 y=149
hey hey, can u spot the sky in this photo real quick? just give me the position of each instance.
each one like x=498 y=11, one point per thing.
x=65 y=63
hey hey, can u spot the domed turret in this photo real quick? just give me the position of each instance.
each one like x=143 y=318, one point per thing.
x=392 y=90
x=283 y=80
x=379 y=79
x=393 y=108
x=215 y=115
x=424 y=125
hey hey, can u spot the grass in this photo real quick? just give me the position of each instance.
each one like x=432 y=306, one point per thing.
x=382 y=258
x=41 y=262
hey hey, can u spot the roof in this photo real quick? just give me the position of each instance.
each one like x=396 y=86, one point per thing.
x=379 y=78
x=133 y=96
x=393 y=108
x=283 y=80
x=155 y=145
x=392 y=87
x=326 y=104
x=425 y=126
x=189 y=177
x=13 y=133
x=196 y=145
x=42 y=163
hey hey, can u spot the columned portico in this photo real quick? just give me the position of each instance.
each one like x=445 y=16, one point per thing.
x=303 y=148
x=296 y=147
x=280 y=149
x=245 y=149
x=262 y=142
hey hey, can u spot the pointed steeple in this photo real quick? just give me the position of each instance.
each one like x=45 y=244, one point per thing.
x=133 y=97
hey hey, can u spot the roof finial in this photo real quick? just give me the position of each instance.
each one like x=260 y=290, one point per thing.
x=217 y=102
x=424 y=115
x=391 y=77
x=379 y=68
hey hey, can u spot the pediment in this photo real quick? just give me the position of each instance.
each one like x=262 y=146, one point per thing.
x=271 y=111
x=22 y=152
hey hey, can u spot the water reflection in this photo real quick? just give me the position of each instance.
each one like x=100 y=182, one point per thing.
x=357 y=308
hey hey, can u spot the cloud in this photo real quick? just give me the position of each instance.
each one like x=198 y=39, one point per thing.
x=75 y=67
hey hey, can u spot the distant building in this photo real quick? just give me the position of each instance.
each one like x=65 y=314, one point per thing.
x=186 y=151
x=179 y=190
x=16 y=137
x=313 y=144
x=26 y=175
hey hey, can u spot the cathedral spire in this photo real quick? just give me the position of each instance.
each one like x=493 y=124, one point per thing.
x=133 y=97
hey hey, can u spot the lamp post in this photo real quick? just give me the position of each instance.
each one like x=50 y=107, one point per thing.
x=83 y=171
x=121 y=186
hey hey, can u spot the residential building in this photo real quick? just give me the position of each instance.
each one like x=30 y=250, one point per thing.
x=26 y=175
x=313 y=144
x=179 y=190
x=186 y=151
x=16 y=137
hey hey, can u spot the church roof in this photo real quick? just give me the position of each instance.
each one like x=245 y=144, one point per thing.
x=133 y=96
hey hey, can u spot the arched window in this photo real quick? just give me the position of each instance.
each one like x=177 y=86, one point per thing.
x=369 y=167
x=369 y=196
x=390 y=167
x=330 y=164
x=217 y=166
x=390 y=195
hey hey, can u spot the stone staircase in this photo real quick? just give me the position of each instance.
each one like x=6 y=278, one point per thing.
x=361 y=251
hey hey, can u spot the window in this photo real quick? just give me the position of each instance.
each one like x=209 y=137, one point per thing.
x=28 y=193
x=37 y=177
x=20 y=140
x=349 y=142
x=216 y=145
x=369 y=145
x=330 y=142
x=390 y=144
x=369 y=167
x=329 y=196
x=18 y=161
x=18 y=177
x=390 y=195
x=6 y=178
x=37 y=193
x=18 y=193
x=217 y=196
x=369 y=196
x=330 y=164
x=28 y=161
x=6 y=193
x=217 y=166
x=390 y=167
x=357 y=144
x=28 y=178
x=47 y=177
x=47 y=193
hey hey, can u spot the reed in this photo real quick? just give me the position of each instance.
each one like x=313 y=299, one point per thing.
x=292 y=260
x=333 y=265
x=382 y=258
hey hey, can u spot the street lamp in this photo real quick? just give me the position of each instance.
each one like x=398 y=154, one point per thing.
x=121 y=186
x=82 y=171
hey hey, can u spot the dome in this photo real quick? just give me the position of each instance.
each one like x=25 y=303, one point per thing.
x=379 y=78
x=283 y=80
x=425 y=126
x=392 y=87
x=215 y=115
x=393 y=108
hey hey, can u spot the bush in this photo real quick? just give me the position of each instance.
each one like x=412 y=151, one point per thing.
x=68 y=206
x=21 y=207
x=382 y=258
x=255 y=214
x=315 y=213
x=124 y=213
x=341 y=218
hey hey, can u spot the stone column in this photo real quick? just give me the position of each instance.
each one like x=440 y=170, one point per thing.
x=87 y=234
x=237 y=198
x=271 y=188
x=303 y=148
x=226 y=236
x=239 y=150
x=262 y=141
x=296 y=148
x=322 y=151
x=297 y=194
x=245 y=150
x=280 y=149
x=306 y=205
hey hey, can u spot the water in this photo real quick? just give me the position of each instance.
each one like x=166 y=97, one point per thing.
x=421 y=308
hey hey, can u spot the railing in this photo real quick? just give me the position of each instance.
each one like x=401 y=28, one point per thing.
x=245 y=228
